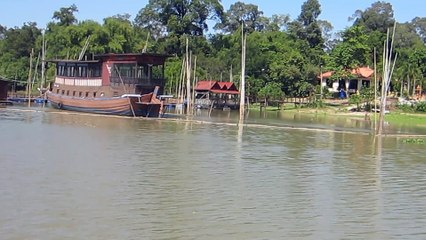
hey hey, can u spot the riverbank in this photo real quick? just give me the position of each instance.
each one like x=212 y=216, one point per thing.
x=342 y=108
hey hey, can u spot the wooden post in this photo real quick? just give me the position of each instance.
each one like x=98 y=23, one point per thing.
x=188 y=80
x=194 y=83
x=29 y=78
x=243 y=72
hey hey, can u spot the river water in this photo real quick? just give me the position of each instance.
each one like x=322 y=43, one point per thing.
x=76 y=176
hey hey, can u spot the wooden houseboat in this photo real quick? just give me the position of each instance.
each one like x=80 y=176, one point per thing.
x=116 y=84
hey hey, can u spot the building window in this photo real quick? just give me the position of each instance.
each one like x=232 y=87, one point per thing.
x=57 y=91
x=68 y=92
x=73 y=93
x=94 y=94
x=87 y=94
x=80 y=94
x=63 y=92
x=115 y=94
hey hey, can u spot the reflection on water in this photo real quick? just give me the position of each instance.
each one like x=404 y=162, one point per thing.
x=70 y=176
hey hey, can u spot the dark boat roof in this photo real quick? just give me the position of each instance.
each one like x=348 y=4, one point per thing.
x=132 y=55
x=72 y=61
x=96 y=58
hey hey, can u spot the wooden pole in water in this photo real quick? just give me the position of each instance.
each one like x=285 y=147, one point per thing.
x=43 y=68
x=243 y=73
x=188 y=80
x=29 y=78
x=194 y=84
x=375 y=91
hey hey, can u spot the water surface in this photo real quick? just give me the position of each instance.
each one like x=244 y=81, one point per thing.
x=74 y=176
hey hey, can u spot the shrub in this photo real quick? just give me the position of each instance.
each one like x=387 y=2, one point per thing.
x=420 y=107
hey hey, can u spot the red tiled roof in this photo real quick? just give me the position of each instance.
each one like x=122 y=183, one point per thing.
x=361 y=72
x=365 y=72
x=217 y=87
x=205 y=85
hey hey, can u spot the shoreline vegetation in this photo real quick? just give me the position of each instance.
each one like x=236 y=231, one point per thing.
x=343 y=108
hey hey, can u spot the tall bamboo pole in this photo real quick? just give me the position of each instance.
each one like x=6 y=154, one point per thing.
x=194 y=83
x=388 y=69
x=375 y=90
x=29 y=78
x=188 y=79
x=243 y=73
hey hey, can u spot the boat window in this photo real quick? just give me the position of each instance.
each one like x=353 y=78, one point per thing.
x=125 y=70
x=82 y=71
x=94 y=70
x=70 y=71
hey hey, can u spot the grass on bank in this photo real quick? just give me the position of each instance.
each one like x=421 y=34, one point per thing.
x=394 y=117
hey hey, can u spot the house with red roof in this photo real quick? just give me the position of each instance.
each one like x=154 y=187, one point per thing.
x=357 y=78
x=222 y=94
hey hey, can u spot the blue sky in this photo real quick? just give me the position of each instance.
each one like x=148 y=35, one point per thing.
x=17 y=12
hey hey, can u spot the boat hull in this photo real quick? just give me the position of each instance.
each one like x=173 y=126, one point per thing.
x=124 y=106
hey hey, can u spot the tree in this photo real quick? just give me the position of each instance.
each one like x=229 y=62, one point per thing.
x=15 y=49
x=278 y=22
x=121 y=35
x=271 y=91
x=378 y=17
x=352 y=52
x=2 y=32
x=419 y=24
x=65 y=15
x=306 y=27
x=179 y=17
x=327 y=34
x=239 y=13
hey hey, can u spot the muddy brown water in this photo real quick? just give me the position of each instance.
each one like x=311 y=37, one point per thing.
x=77 y=176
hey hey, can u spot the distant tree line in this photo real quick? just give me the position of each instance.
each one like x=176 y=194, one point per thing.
x=284 y=56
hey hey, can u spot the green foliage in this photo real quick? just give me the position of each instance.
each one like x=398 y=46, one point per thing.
x=356 y=99
x=353 y=51
x=271 y=91
x=365 y=96
x=65 y=15
x=414 y=140
x=178 y=17
x=239 y=13
x=421 y=107
x=378 y=17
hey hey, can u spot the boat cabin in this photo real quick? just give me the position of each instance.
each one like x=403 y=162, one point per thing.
x=109 y=75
